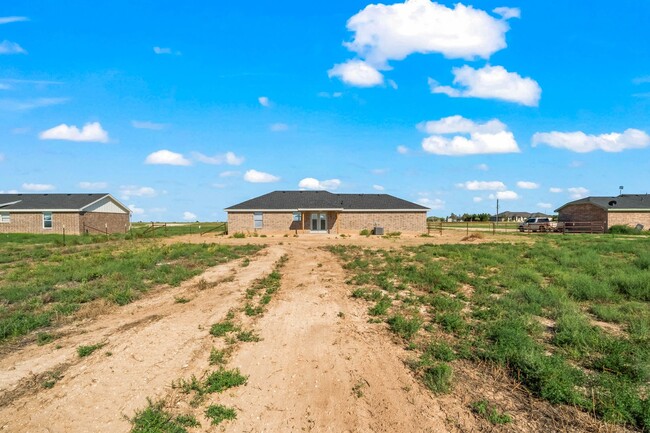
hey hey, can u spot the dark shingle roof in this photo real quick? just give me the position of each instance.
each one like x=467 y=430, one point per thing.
x=624 y=201
x=323 y=200
x=47 y=201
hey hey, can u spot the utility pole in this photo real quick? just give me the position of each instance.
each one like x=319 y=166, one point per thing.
x=497 y=216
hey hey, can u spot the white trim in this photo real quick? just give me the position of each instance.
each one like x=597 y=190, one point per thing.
x=51 y=220
x=629 y=210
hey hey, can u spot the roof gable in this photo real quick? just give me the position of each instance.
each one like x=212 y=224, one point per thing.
x=325 y=200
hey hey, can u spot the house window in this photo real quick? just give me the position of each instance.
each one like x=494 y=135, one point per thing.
x=4 y=217
x=47 y=220
x=257 y=220
x=297 y=216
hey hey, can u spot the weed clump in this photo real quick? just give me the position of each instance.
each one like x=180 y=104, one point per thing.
x=438 y=378
x=84 y=351
x=484 y=409
x=218 y=413
x=222 y=328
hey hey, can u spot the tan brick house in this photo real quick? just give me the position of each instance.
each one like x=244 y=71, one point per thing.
x=625 y=209
x=325 y=212
x=52 y=213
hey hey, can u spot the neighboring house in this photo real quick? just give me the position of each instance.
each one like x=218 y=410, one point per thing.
x=325 y=212
x=52 y=213
x=625 y=209
x=512 y=216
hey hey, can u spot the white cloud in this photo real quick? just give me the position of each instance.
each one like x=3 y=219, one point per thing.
x=229 y=173
x=91 y=132
x=166 y=157
x=29 y=104
x=330 y=95
x=128 y=191
x=580 y=142
x=189 y=216
x=641 y=80
x=477 y=199
x=432 y=203
x=507 y=13
x=482 y=167
x=136 y=210
x=255 y=176
x=166 y=50
x=392 y=32
x=227 y=158
x=544 y=205
x=459 y=124
x=8 y=47
x=37 y=187
x=2 y=157
x=479 y=185
x=504 y=195
x=392 y=84
x=402 y=150
x=484 y=138
x=14 y=19
x=490 y=82
x=311 y=183
x=93 y=185
x=378 y=188
x=577 y=192
x=555 y=190
x=379 y=171
x=264 y=101
x=279 y=127
x=527 y=185
x=357 y=73
x=148 y=125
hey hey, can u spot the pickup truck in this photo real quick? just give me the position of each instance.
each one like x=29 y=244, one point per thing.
x=538 y=225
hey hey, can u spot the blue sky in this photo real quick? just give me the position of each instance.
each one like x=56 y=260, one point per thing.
x=182 y=109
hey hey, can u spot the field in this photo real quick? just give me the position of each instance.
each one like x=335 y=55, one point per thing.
x=500 y=332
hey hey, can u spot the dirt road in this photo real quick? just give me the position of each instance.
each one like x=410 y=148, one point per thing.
x=320 y=365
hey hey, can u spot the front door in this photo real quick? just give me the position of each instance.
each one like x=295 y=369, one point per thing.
x=319 y=222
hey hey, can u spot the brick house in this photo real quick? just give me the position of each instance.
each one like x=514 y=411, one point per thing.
x=325 y=212
x=52 y=213
x=625 y=209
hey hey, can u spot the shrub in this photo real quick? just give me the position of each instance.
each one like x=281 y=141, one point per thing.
x=239 y=235
x=84 y=351
x=365 y=232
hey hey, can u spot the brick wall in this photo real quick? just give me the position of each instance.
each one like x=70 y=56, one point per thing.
x=116 y=222
x=405 y=222
x=33 y=223
x=630 y=218
x=344 y=222
x=582 y=213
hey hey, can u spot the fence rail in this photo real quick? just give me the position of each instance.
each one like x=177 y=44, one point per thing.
x=222 y=226
x=511 y=227
x=86 y=227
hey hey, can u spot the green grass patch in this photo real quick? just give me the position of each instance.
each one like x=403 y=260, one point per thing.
x=45 y=282
x=533 y=309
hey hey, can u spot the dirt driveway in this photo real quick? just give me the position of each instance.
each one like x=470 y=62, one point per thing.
x=320 y=365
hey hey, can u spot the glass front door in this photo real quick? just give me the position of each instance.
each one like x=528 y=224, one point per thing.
x=319 y=222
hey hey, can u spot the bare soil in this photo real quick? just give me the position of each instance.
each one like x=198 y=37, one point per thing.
x=320 y=366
